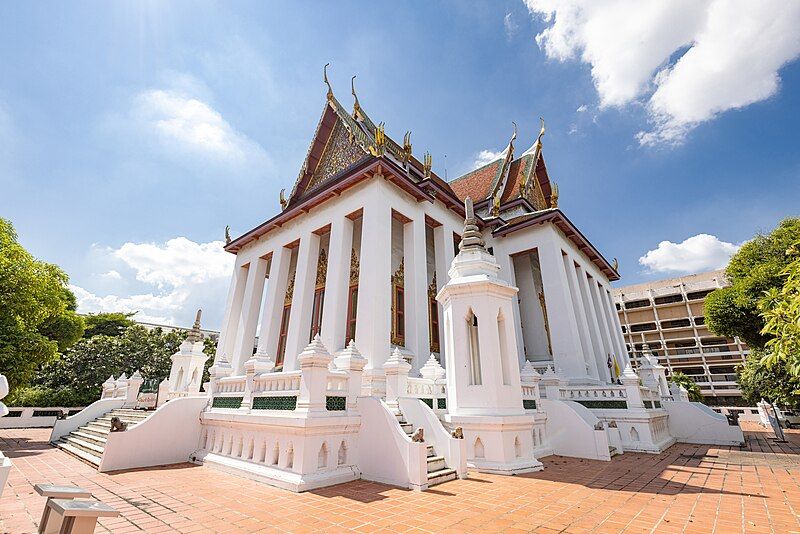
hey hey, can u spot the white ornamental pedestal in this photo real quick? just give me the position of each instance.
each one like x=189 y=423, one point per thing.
x=484 y=393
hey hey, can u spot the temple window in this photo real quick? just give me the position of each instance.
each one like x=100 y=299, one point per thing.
x=433 y=316
x=474 y=350
x=319 y=294
x=398 y=307
x=352 y=305
x=352 y=298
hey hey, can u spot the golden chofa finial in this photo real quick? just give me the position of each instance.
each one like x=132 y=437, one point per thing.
x=541 y=133
x=615 y=265
x=427 y=163
x=407 y=147
x=356 y=105
x=554 y=196
x=380 y=141
x=283 y=200
x=325 y=79
x=514 y=135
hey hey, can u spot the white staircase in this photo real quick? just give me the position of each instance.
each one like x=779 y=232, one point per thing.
x=438 y=471
x=89 y=441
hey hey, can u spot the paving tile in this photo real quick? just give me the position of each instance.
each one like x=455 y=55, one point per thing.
x=687 y=489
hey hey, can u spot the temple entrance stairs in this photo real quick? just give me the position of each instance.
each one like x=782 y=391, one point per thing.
x=88 y=442
x=438 y=471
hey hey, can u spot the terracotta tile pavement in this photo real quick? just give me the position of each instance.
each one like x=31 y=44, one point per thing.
x=689 y=488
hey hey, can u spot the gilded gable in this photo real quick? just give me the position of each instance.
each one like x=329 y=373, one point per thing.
x=339 y=154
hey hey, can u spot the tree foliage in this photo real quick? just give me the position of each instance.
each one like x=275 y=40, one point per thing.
x=79 y=373
x=688 y=384
x=107 y=324
x=37 y=310
x=781 y=311
x=755 y=269
x=773 y=383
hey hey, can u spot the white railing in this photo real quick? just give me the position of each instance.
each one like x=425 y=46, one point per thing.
x=231 y=384
x=427 y=389
x=337 y=382
x=593 y=393
x=288 y=382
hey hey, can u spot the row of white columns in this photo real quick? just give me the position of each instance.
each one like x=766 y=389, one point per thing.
x=583 y=326
x=373 y=320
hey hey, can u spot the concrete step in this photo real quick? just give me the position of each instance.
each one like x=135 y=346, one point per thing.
x=443 y=475
x=100 y=431
x=87 y=457
x=431 y=451
x=92 y=438
x=140 y=416
x=84 y=444
x=106 y=423
x=408 y=428
x=436 y=463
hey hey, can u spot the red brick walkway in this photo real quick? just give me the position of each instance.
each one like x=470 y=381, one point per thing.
x=687 y=489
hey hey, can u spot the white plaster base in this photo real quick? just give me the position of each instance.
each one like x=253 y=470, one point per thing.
x=5 y=470
x=651 y=427
x=279 y=477
x=497 y=435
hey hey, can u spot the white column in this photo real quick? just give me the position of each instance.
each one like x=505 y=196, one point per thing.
x=231 y=326
x=580 y=317
x=619 y=342
x=299 y=332
x=605 y=329
x=567 y=353
x=337 y=284
x=444 y=254
x=251 y=306
x=273 y=302
x=508 y=274
x=416 y=289
x=594 y=327
x=373 y=321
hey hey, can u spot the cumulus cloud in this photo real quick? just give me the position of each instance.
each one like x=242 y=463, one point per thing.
x=187 y=124
x=687 y=61
x=702 y=252
x=180 y=276
x=582 y=108
x=486 y=156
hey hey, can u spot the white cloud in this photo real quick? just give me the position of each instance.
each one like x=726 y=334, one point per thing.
x=486 y=156
x=582 y=108
x=177 y=262
x=510 y=25
x=183 y=275
x=702 y=252
x=182 y=122
x=686 y=60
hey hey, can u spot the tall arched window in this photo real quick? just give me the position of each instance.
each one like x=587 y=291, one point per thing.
x=474 y=350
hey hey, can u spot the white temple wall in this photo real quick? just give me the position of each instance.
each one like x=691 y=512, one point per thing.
x=531 y=318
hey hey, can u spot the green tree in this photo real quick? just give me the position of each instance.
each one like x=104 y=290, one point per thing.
x=37 y=310
x=688 y=384
x=107 y=324
x=76 y=378
x=780 y=309
x=773 y=383
x=755 y=269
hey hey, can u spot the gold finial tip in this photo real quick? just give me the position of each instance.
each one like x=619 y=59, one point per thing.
x=325 y=80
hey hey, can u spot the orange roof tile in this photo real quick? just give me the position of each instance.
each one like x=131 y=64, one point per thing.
x=477 y=184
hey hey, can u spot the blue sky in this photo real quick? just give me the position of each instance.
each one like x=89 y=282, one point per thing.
x=131 y=133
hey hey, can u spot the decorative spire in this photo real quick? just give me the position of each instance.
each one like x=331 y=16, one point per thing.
x=406 y=147
x=283 y=200
x=427 y=162
x=615 y=265
x=356 y=106
x=471 y=238
x=329 y=96
x=227 y=234
x=195 y=334
x=380 y=141
x=554 y=196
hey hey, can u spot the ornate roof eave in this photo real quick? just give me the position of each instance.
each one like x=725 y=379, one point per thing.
x=344 y=180
x=557 y=217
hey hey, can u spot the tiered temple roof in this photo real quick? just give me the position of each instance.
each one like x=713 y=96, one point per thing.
x=509 y=193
